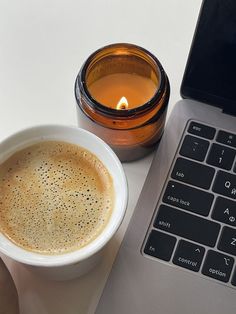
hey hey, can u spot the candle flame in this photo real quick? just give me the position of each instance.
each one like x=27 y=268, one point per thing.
x=122 y=104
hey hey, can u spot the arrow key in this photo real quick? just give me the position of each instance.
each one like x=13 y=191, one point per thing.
x=234 y=278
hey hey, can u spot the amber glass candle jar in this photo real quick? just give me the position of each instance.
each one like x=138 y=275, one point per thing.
x=122 y=94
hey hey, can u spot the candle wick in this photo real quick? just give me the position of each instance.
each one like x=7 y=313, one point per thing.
x=123 y=106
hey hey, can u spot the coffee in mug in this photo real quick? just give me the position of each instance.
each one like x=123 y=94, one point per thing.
x=63 y=195
x=55 y=197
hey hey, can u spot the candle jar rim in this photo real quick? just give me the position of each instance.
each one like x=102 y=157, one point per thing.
x=124 y=113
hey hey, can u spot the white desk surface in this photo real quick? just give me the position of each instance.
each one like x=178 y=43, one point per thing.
x=43 y=43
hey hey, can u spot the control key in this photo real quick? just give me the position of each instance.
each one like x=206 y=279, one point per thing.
x=189 y=255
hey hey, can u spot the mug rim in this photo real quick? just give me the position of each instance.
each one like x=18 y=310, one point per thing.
x=22 y=255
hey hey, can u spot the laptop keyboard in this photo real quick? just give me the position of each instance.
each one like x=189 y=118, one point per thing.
x=195 y=223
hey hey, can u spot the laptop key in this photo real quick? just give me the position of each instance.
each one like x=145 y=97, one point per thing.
x=226 y=138
x=186 y=225
x=193 y=173
x=194 y=148
x=225 y=184
x=221 y=156
x=227 y=241
x=160 y=245
x=225 y=211
x=188 y=198
x=218 y=266
x=188 y=255
x=202 y=130
x=234 y=278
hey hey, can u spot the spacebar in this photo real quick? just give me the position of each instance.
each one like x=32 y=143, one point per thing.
x=187 y=226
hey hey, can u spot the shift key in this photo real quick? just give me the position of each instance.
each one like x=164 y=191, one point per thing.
x=188 y=198
x=187 y=225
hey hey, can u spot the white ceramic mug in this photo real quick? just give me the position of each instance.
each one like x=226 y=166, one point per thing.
x=76 y=263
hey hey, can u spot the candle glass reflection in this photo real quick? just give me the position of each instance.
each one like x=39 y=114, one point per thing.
x=122 y=93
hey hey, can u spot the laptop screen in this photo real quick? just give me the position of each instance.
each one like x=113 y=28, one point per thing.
x=210 y=74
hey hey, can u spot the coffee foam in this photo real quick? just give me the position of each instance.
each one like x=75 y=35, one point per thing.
x=55 y=197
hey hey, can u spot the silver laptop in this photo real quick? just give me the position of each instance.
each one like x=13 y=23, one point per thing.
x=179 y=253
